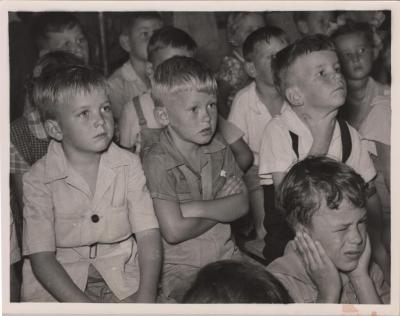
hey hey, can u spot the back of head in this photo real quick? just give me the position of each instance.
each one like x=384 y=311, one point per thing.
x=181 y=73
x=170 y=36
x=263 y=34
x=287 y=56
x=130 y=18
x=350 y=27
x=47 y=22
x=317 y=180
x=229 y=281
x=56 y=86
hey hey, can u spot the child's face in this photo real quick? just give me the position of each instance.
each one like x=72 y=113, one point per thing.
x=86 y=121
x=262 y=57
x=247 y=25
x=356 y=55
x=342 y=233
x=139 y=36
x=69 y=40
x=192 y=116
x=320 y=22
x=318 y=80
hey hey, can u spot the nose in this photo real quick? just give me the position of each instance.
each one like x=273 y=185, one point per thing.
x=354 y=57
x=205 y=116
x=98 y=120
x=356 y=236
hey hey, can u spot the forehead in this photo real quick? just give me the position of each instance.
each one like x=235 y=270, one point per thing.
x=315 y=60
x=187 y=97
x=352 y=39
x=273 y=45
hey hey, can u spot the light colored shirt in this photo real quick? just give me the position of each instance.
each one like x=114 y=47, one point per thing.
x=62 y=215
x=251 y=115
x=291 y=272
x=124 y=84
x=277 y=154
x=15 y=252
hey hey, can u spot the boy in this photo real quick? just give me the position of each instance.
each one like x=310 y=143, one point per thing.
x=138 y=126
x=329 y=259
x=314 y=22
x=60 y=31
x=255 y=105
x=309 y=77
x=367 y=105
x=83 y=201
x=131 y=78
x=192 y=175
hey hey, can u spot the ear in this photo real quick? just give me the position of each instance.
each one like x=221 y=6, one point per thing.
x=299 y=227
x=294 y=96
x=250 y=69
x=302 y=27
x=124 y=42
x=161 y=115
x=53 y=129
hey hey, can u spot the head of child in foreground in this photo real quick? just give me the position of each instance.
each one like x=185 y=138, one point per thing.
x=258 y=50
x=54 y=31
x=185 y=95
x=315 y=22
x=75 y=108
x=307 y=73
x=137 y=29
x=168 y=42
x=354 y=45
x=47 y=63
x=240 y=25
x=326 y=199
x=230 y=281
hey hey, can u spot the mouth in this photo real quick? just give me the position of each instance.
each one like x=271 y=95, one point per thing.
x=353 y=254
x=206 y=131
x=101 y=135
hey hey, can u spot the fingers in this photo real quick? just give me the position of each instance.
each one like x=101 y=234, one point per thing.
x=308 y=251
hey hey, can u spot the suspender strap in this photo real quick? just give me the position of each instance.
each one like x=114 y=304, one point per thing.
x=346 y=139
x=295 y=143
x=139 y=112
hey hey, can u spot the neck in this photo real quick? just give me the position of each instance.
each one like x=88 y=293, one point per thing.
x=82 y=160
x=356 y=88
x=140 y=69
x=269 y=96
x=186 y=148
x=314 y=116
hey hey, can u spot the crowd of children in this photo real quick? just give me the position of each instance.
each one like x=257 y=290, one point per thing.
x=130 y=188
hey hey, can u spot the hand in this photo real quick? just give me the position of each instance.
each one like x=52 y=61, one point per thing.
x=363 y=263
x=319 y=267
x=232 y=185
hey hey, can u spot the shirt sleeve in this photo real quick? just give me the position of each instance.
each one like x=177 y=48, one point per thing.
x=276 y=153
x=17 y=162
x=159 y=180
x=38 y=215
x=381 y=286
x=376 y=126
x=360 y=159
x=141 y=210
x=116 y=94
x=128 y=125
x=229 y=131
x=15 y=252
x=237 y=116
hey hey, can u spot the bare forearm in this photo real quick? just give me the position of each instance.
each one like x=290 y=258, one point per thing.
x=55 y=279
x=225 y=210
x=365 y=290
x=150 y=258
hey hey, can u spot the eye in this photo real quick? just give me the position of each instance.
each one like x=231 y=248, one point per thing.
x=322 y=73
x=361 y=50
x=106 y=109
x=212 y=106
x=194 y=109
x=81 y=40
x=338 y=69
x=84 y=114
x=145 y=34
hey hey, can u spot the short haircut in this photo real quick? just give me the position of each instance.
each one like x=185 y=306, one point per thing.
x=56 y=86
x=181 y=73
x=316 y=180
x=350 y=27
x=229 y=281
x=284 y=59
x=129 y=19
x=263 y=34
x=170 y=36
x=50 y=62
x=47 y=22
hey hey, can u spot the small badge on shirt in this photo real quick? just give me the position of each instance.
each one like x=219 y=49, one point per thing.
x=223 y=173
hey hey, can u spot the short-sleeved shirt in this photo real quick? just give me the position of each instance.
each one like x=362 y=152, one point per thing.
x=15 y=252
x=290 y=271
x=251 y=115
x=167 y=181
x=277 y=154
x=62 y=215
x=124 y=84
x=229 y=131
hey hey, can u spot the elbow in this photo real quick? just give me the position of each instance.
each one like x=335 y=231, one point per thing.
x=172 y=236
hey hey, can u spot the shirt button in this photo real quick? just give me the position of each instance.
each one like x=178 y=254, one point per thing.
x=95 y=218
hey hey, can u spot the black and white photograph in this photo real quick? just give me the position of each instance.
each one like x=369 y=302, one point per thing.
x=201 y=157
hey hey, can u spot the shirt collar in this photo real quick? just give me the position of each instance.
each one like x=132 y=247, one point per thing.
x=57 y=166
x=129 y=73
x=175 y=158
